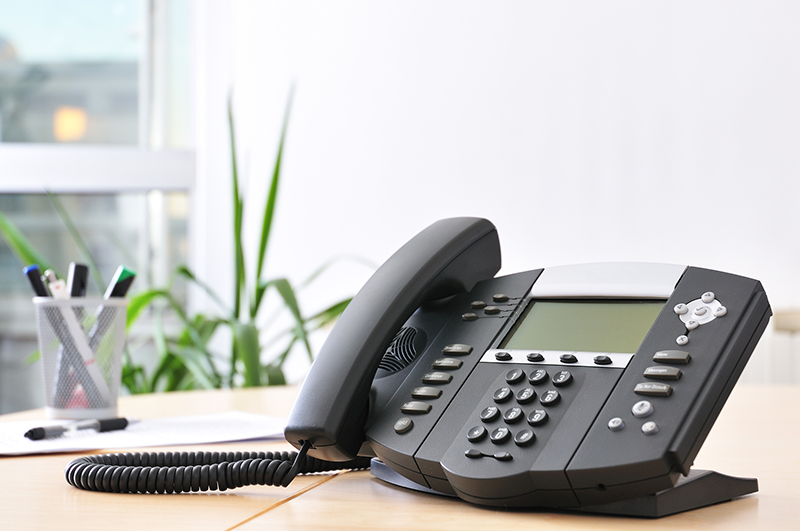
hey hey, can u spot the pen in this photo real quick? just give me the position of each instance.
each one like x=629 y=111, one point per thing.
x=99 y=425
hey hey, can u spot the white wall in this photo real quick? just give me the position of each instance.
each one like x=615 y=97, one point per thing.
x=586 y=131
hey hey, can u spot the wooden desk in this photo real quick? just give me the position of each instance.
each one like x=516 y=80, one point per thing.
x=757 y=435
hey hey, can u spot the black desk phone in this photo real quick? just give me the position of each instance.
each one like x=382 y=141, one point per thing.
x=587 y=387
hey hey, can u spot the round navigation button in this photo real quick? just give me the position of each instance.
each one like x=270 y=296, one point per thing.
x=691 y=324
x=708 y=296
x=616 y=424
x=642 y=409
x=682 y=340
x=700 y=311
x=720 y=311
x=681 y=309
x=649 y=428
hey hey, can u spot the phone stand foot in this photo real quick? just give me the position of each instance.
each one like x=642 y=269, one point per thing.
x=379 y=470
x=699 y=489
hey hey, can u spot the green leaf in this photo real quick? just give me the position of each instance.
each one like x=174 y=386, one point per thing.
x=187 y=273
x=196 y=362
x=275 y=375
x=139 y=302
x=289 y=298
x=22 y=248
x=248 y=350
x=238 y=209
x=269 y=209
x=78 y=239
x=329 y=314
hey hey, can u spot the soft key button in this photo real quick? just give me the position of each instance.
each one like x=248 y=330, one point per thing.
x=663 y=373
x=426 y=392
x=436 y=378
x=677 y=357
x=457 y=349
x=415 y=408
x=653 y=389
x=447 y=364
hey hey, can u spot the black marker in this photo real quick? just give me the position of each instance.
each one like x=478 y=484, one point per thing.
x=118 y=287
x=121 y=282
x=35 y=276
x=77 y=279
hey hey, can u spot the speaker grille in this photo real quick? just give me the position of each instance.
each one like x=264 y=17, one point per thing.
x=401 y=351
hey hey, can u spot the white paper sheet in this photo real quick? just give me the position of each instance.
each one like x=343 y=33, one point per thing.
x=196 y=429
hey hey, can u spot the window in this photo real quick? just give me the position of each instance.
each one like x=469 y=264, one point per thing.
x=95 y=107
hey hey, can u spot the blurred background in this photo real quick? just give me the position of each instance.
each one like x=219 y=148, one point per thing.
x=586 y=131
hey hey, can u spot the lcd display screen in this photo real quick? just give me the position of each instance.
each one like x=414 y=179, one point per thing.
x=584 y=326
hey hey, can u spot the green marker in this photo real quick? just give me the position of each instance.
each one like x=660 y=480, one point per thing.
x=121 y=282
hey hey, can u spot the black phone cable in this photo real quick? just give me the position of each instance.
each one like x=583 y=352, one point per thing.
x=176 y=472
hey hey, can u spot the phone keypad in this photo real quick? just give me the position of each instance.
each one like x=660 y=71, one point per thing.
x=511 y=416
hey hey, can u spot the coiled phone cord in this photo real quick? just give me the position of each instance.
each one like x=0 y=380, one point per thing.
x=176 y=472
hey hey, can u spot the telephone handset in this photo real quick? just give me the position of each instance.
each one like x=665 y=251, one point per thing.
x=448 y=257
x=589 y=387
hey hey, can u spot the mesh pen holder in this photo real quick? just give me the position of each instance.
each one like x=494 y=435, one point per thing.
x=81 y=343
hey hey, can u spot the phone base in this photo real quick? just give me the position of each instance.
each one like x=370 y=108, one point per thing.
x=699 y=489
